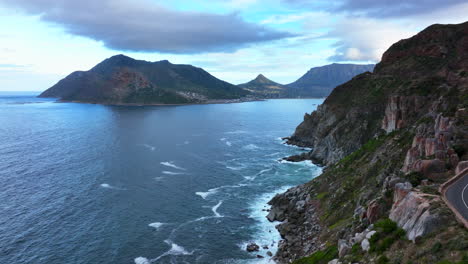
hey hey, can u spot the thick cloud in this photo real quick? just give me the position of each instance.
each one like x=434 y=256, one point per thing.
x=140 y=25
x=381 y=8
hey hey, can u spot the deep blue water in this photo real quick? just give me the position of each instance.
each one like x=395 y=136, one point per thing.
x=82 y=183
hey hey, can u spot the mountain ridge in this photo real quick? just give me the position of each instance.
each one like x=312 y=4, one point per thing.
x=124 y=80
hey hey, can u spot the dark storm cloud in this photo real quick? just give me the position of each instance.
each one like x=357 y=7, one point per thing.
x=379 y=8
x=140 y=25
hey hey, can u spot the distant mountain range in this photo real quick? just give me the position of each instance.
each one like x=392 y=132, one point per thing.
x=317 y=82
x=123 y=80
x=320 y=81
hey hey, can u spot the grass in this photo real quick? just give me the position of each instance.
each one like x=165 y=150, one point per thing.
x=320 y=257
x=387 y=233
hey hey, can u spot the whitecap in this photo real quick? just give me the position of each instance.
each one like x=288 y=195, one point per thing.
x=235 y=168
x=172 y=165
x=236 y=132
x=272 y=154
x=172 y=173
x=206 y=194
x=152 y=148
x=108 y=186
x=307 y=163
x=215 y=209
x=142 y=260
x=251 y=147
x=175 y=250
x=223 y=139
x=158 y=178
x=156 y=225
x=228 y=143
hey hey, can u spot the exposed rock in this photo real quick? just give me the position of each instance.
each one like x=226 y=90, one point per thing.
x=335 y=261
x=343 y=247
x=253 y=247
x=411 y=211
x=365 y=245
x=269 y=253
x=375 y=210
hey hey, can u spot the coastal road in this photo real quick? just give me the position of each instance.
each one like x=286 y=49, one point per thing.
x=457 y=195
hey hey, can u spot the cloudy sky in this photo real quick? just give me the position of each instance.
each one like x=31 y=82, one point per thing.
x=42 y=41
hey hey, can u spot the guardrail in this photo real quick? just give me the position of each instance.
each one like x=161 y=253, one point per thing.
x=443 y=189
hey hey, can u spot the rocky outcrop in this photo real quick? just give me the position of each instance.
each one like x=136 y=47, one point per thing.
x=299 y=230
x=411 y=211
x=405 y=122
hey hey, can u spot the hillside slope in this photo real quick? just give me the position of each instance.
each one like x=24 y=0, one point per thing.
x=264 y=87
x=123 y=80
x=389 y=139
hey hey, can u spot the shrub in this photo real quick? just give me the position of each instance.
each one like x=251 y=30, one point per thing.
x=320 y=257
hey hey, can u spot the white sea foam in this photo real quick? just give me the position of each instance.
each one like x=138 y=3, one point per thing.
x=152 y=148
x=228 y=143
x=215 y=209
x=207 y=193
x=266 y=233
x=307 y=163
x=236 y=132
x=142 y=260
x=158 y=178
x=156 y=225
x=171 y=164
x=172 y=173
x=235 y=168
x=212 y=191
x=108 y=186
x=251 y=147
x=175 y=250
x=223 y=139
x=272 y=154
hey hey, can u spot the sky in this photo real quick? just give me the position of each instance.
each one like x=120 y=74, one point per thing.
x=42 y=41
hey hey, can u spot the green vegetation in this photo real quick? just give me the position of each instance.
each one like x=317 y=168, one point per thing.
x=415 y=178
x=320 y=257
x=387 y=233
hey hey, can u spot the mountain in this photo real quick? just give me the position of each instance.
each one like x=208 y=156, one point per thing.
x=123 y=80
x=392 y=141
x=320 y=81
x=264 y=87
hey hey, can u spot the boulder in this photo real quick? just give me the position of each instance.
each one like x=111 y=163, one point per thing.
x=365 y=245
x=343 y=248
x=253 y=247
x=375 y=210
x=335 y=261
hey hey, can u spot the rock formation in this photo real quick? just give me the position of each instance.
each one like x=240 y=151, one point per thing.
x=389 y=139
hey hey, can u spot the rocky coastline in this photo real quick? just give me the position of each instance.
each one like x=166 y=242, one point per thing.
x=389 y=140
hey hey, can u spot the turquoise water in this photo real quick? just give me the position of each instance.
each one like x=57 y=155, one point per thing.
x=83 y=183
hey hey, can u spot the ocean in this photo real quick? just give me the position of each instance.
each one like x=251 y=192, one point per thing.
x=85 y=183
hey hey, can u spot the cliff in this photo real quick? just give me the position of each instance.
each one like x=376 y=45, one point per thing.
x=320 y=81
x=389 y=139
x=123 y=80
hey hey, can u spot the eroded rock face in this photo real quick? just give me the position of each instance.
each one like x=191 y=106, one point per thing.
x=399 y=110
x=411 y=211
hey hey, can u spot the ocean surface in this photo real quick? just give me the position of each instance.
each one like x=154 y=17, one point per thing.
x=83 y=183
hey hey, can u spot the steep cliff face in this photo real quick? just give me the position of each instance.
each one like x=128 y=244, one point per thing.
x=389 y=139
